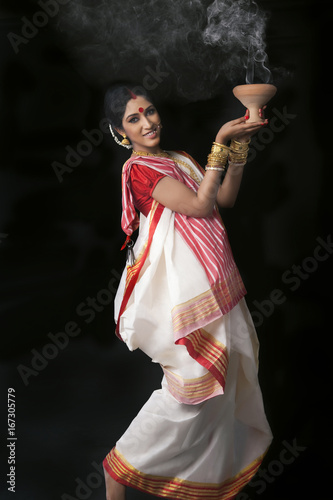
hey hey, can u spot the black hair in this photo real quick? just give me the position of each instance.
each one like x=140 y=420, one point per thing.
x=116 y=99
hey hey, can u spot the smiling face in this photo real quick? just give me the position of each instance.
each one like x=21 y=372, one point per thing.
x=141 y=125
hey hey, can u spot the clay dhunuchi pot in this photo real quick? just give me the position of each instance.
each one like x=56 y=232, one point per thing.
x=254 y=96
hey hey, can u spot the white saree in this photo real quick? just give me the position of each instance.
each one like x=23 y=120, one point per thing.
x=204 y=434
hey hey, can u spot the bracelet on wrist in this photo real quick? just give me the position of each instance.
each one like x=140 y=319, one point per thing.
x=216 y=146
x=237 y=158
x=217 y=169
x=239 y=145
x=238 y=151
x=218 y=156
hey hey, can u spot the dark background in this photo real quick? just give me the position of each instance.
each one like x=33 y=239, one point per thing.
x=60 y=241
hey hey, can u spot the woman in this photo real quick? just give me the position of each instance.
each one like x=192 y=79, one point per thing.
x=181 y=300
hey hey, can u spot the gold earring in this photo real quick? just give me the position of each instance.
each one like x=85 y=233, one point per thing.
x=125 y=141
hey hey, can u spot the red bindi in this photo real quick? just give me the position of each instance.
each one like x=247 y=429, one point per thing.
x=141 y=110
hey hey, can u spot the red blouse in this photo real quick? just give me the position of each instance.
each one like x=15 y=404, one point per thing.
x=143 y=181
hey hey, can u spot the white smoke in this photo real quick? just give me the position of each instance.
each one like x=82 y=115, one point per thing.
x=188 y=48
x=238 y=28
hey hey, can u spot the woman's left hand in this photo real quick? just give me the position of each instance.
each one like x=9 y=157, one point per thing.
x=239 y=129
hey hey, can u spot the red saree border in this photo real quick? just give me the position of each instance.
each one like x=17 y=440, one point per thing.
x=176 y=488
x=134 y=271
x=209 y=352
x=192 y=391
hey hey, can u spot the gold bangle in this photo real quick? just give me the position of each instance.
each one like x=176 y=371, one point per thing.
x=241 y=143
x=220 y=145
x=237 y=160
x=242 y=156
x=223 y=154
x=239 y=147
x=216 y=159
x=239 y=151
x=218 y=156
x=216 y=164
x=219 y=148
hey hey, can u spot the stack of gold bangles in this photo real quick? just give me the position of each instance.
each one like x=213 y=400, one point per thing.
x=218 y=157
x=236 y=153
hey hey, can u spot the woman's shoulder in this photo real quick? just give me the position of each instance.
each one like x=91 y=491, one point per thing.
x=144 y=174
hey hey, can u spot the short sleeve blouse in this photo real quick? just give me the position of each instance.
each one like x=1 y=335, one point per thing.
x=143 y=181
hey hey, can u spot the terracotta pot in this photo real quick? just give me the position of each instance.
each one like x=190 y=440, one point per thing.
x=254 y=96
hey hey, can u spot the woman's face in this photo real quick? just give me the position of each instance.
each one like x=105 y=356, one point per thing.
x=141 y=125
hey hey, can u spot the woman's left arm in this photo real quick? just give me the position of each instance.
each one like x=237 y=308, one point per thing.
x=228 y=191
x=242 y=131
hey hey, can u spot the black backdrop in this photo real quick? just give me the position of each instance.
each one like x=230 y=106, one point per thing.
x=76 y=386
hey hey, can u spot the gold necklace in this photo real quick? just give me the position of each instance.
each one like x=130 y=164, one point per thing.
x=164 y=154
x=144 y=153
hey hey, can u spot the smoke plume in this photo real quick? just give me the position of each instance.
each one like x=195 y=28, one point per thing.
x=186 y=48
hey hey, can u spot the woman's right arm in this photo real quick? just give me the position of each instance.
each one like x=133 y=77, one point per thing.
x=179 y=198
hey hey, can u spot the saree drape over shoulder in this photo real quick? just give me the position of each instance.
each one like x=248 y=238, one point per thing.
x=202 y=435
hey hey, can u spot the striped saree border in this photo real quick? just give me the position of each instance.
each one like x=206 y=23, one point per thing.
x=208 y=306
x=196 y=312
x=192 y=391
x=208 y=352
x=176 y=488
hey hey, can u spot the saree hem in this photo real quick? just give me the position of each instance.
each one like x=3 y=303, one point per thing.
x=176 y=488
